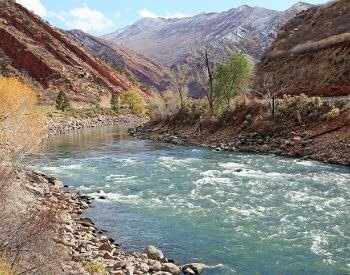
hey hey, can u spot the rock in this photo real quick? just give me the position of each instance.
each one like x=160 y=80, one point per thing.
x=188 y=271
x=297 y=140
x=37 y=191
x=156 y=266
x=196 y=267
x=171 y=268
x=117 y=272
x=120 y=264
x=144 y=267
x=307 y=151
x=58 y=184
x=129 y=269
x=154 y=253
x=102 y=197
x=162 y=273
x=87 y=222
x=238 y=170
x=107 y=255
x=106 y=247
x=68 y=229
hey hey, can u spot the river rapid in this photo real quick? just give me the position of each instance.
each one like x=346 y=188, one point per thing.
x=236 y=212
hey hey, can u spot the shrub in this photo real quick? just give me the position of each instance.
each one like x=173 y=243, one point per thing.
x=96 y=267
x=114 y=103
x=21 y=128
x=62 y=102
x=134 y=101
x=335 y=112
x=5 y=267
x=308 y=107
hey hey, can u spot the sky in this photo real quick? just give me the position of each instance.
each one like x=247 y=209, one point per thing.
x=99 y=17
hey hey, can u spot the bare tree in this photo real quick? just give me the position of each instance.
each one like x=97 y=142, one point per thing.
x=178 y=82
x=204 y=75
x=271 y=94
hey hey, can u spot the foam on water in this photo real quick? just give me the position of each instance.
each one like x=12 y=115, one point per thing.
x=238 y=213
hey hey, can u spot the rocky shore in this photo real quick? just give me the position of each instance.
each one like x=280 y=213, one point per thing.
x=86 y=248
x=74 y=243
x=329 y=144
x=57 y=125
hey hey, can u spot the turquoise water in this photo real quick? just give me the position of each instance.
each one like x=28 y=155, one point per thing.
x=239 y=213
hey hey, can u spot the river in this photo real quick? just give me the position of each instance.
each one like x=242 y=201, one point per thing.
x=239 y=213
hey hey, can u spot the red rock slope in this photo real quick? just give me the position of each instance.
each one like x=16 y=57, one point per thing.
x=311 y=54
x=148 y=72
x=50 y=60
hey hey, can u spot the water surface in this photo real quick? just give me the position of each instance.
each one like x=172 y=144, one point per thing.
x=240 y=213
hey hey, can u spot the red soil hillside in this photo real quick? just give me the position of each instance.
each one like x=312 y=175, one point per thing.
x=311 y=54
x=50 y=60
x=148 y=72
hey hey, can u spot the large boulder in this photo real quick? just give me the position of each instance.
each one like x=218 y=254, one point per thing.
x=156 y=266
x=171 y=268
x=154 y=253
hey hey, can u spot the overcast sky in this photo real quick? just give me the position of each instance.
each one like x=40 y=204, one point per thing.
x=104 y=16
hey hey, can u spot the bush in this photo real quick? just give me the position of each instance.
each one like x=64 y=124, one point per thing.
x=96 y=268
x=21 y=128
x=5 y=267
x=62 y=102
x=134 y=102
x=308 y=107
x=335 y=112
x=114 y=103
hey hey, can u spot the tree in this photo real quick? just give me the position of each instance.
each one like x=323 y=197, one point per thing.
x=21 y=126
x=134 y=101
x=114 y=103
x=62 y=102
x=178 y=82
x=204 y=75
x=271 y=94
x=231 y=78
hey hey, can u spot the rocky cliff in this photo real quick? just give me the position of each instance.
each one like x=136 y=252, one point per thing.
x=170 y=41
x=50 y=60
x=146 y=71
x=311 y=54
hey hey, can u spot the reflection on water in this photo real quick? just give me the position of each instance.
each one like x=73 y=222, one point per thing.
x=83 y=141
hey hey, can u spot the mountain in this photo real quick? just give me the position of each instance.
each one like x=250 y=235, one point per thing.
x=146 y=71
x=49 y=60
x=170 y=41
x=311 y=54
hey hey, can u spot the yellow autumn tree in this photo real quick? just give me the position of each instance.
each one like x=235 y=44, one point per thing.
x=134 y=102
x=21 y=128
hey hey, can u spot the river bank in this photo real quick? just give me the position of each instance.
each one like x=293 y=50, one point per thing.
x=58 y=125
x=74 y=243
x=327 y=141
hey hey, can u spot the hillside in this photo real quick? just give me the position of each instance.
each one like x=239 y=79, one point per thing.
x=311 y=54
x=170 y=41
x=146 y=71
x=49 y=60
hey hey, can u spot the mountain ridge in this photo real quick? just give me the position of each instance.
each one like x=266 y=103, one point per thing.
x=235 y=28
x=49 y=60
x=148 y=72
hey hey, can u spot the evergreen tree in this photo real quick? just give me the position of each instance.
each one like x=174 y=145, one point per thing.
x=62 y=102
x=114 y=103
